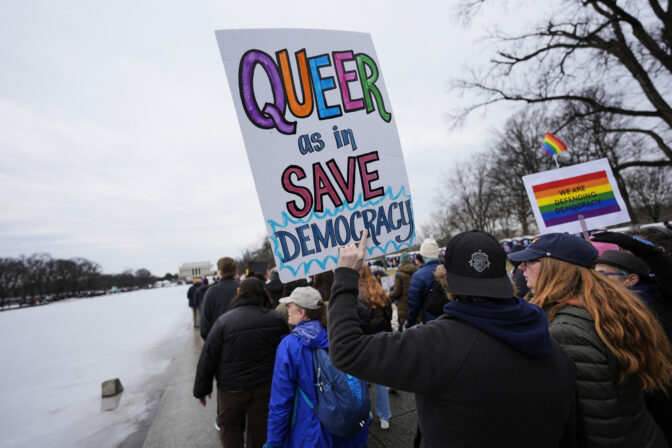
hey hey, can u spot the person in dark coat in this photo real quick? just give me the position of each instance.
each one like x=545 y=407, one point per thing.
x=192 y=304
x=619 y=347
x=421 y=282
x=218 y=298
x=484 y=374
x=200 y=293
x=274 y=286
x=652 y=282
x=323 y=282
x=402 y=281
x=240 y=353
x=659 y=262
x=517 y=277
x=628 y=270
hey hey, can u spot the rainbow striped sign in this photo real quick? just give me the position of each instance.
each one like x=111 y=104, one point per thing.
x=560 y=197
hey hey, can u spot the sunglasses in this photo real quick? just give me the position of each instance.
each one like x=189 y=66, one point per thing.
x=612 y=273
x=526 y=263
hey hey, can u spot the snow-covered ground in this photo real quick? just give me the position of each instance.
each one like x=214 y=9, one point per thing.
x=54 y=358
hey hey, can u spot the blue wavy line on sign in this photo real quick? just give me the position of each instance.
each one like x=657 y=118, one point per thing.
x=359 y=203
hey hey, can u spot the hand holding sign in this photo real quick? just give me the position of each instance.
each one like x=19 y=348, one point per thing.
x=352 y=255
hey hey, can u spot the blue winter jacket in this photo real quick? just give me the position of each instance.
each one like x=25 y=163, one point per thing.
x=294 y=365
x=417 y=292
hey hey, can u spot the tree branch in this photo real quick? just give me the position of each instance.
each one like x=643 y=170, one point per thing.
x=625 y=165
x=637 y=29
x=658 y=10
x=657 y=138
x=566 y=97
x=629 y=60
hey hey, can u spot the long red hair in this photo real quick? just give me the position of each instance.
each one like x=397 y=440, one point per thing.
x=372 y=292
x=622 y=321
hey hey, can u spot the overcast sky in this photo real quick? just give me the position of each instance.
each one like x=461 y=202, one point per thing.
x=118 y=136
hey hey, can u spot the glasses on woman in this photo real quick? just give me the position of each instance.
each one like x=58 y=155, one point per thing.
x=527 y=263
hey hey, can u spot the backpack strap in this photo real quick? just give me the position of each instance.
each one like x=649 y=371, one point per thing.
x=305 y=397
x=315 y=373
x=294 y=409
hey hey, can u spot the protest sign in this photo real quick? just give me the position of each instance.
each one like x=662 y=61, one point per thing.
x=559 y=197
x=322 y=143
x=387 y=282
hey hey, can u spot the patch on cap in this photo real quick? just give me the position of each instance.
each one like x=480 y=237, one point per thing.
x=479 y=261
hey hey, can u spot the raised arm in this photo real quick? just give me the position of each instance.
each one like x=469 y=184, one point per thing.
x=391 y=359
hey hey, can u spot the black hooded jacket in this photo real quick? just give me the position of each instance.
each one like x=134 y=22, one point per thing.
x=472 y=388
x=240 y=349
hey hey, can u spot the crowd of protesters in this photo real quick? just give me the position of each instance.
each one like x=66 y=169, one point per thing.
x=563 y=343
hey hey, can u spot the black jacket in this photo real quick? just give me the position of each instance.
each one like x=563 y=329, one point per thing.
x=199 y=294
x=471 y=389
x=216 y=302
x=374 y=320
x=611 y=413
x=190 y=294
x=659 y=404
x=240 y=349
x=274 y=288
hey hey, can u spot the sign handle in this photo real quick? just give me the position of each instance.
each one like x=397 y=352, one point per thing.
x=584 y=228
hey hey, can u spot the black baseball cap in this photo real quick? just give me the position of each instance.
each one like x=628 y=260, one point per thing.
x=625 y=261
x=561 y=246
x=476 y=266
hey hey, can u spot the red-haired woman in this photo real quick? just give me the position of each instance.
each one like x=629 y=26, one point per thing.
x=618 y=346
x=375 y=314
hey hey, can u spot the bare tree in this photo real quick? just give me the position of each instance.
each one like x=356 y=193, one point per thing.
x=10 y=278
x=37 y=275
x=470 y=199
x=518 y=154
x=621 y=48
x=438 y=226
x=589 y=137
x=261 y=251
x=143 y=273
x=650 y=190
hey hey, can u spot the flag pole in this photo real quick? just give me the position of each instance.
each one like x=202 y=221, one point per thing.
x=555 y=158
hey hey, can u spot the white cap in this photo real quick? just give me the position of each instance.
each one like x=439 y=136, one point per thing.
x=304 y=296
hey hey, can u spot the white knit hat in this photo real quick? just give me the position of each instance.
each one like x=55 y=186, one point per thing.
x=429 y=248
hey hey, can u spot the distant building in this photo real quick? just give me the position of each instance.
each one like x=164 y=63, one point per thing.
x=190 y=271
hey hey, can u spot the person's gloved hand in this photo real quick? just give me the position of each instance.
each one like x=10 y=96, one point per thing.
x=638 y=246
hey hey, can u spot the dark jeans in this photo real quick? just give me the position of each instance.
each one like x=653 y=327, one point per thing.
x=234 y=407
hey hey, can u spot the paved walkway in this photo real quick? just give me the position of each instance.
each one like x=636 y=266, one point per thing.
x=182 y=422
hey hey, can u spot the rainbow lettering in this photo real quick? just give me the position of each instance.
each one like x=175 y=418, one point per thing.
x=563 y=200
x=314 y=80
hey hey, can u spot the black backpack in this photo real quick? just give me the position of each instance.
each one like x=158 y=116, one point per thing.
x=436 y=298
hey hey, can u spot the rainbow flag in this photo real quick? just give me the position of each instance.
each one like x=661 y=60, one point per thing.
x=553 y=145
x=563 y=200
